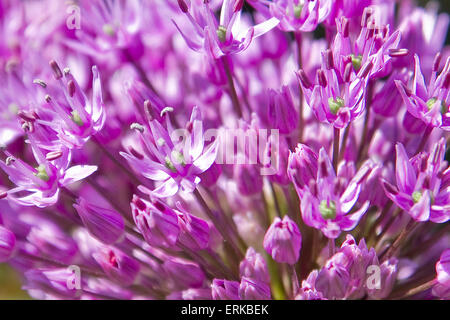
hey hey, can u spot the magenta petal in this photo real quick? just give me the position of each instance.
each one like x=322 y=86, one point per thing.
x=406 y=177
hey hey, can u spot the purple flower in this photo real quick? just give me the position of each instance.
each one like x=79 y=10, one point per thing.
x=176 y=164
x=336 y=101
x=420 y=184
x=7 y=244
x=105 y=224
x=42 y=183
x=442 y=287
x=157 y=222
x=117 y=265
x=254 y=266
x=53 y=283
x=327 y=201
x=253 y=290
x=300 y=15
x=283 y=240
x=225 y=290
x=302 y=167
x=194 y=232
x=308 y=289
x=281 y=112
x=186 y=274
x=68 y=112
x=429 y=103
x=220 y=38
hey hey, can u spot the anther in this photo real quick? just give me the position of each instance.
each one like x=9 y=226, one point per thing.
x=53 y=155
x=56 y=70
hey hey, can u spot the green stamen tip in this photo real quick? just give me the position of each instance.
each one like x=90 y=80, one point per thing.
x=327 y=212
x=178 y=157
x=76 y=118
x=335 y=104
x=109 y=30
x=222 y=33
x=357 y=62
x=417 y=195
x=169 y=165
x=42 y=173
x=298 y=11
x=430 y=103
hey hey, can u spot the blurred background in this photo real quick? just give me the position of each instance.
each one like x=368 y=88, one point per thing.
x=10 y=284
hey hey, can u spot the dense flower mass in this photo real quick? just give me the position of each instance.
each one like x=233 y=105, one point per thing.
x=225 y=149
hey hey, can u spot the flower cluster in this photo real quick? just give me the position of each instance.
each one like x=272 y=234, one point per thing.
x=225 y=149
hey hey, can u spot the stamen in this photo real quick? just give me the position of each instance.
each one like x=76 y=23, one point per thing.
x=321 y=78
x=53 y=155
x=138 y=127
x=56 y=70
x=303 y=77
x=395 y=53
x=329 y=60
x=238 y=5
x=71 y=87
x=183 y=6
x=27 y=116
x=3 y=194
x=437 y=62
x=166 y=110
x=40 y=82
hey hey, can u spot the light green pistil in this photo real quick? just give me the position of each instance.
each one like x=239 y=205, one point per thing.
x=430 y=103
x=335 y=104
x=76 y=118
x=356 y=61
x=417 y=195
x=169 y=165
x=42 y=173
x=298 y=11
x=222 y=33
x=109 y=30
x=178 y=157
x=327 y=212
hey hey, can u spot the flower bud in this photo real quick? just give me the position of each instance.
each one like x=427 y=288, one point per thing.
x=104 y=224
x=194 y=232
x=249 y=179
x=225 y=290
x=388 y=276
x=302 y=166
x=185 y=274
x=210 y=176
x=333 y=280
x=443 y=268
x=283 y=241
x=157 y=222
x=254 y=266
x=7 y=244
x=253 y=290
x=60 y=283
x=282 y=114
x=117 y=265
